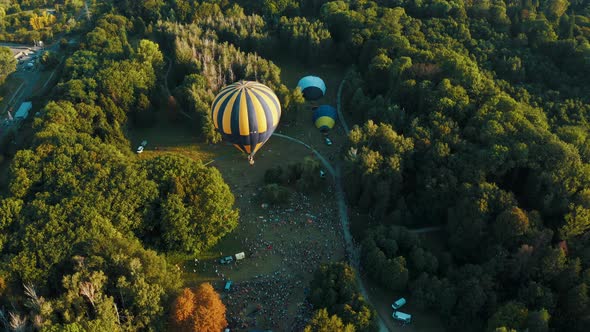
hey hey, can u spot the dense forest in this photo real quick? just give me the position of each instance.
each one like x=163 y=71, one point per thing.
x=80 y=213
x=469 y=115
x=29 y=21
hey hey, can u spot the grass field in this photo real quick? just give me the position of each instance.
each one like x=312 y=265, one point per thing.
x=286 y=230
x=283 y=245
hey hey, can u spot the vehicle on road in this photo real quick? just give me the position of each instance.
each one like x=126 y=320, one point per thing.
x=328 y=141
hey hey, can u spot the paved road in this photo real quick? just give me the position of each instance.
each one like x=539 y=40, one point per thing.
x=31 y=78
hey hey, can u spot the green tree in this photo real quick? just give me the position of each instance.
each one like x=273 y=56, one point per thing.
x=378 y=75
x=538 y=321
x=7 y=63
x=334 y=288
x=275 y=194
x=149 y=52
x=323 y=322
x=49 y=59
x=512 y=315
x=294 y=104
x=577 y=222
x=577 y=300
x=195 y=205
x=555 y=8
x=510 y=225
x=124 y=81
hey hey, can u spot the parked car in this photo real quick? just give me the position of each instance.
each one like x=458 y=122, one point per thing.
x=398 y=304
x=141 y=146
x=226 y=260
x=402 y=316
x=228 y=285
x=328 y=141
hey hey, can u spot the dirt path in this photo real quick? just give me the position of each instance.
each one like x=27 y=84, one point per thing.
x=339 y=108
x=354 y=252
x=166 y=76
x=168 y=89
x=426 y=229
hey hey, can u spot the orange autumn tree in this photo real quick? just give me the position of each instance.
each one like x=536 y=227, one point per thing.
x=183 y=310
x=200 y=311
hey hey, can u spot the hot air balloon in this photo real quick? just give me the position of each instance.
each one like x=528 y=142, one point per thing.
x=324 y=117
x=312 y=87
x=246 y=113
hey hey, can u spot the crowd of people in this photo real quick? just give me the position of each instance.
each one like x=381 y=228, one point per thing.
x=301 y=238
x=261 y=302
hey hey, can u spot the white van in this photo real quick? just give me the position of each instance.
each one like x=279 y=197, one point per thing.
x=398 y=304
x=401 y=316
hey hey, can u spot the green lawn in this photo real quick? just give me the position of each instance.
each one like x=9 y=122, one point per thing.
x=257 y=228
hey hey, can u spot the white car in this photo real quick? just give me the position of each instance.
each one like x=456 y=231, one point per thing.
x=141 y=146
x=328 y=141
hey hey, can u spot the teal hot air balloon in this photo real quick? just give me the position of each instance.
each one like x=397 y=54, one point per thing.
x=312 y=87
x=324 y=118
x=246 y=113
